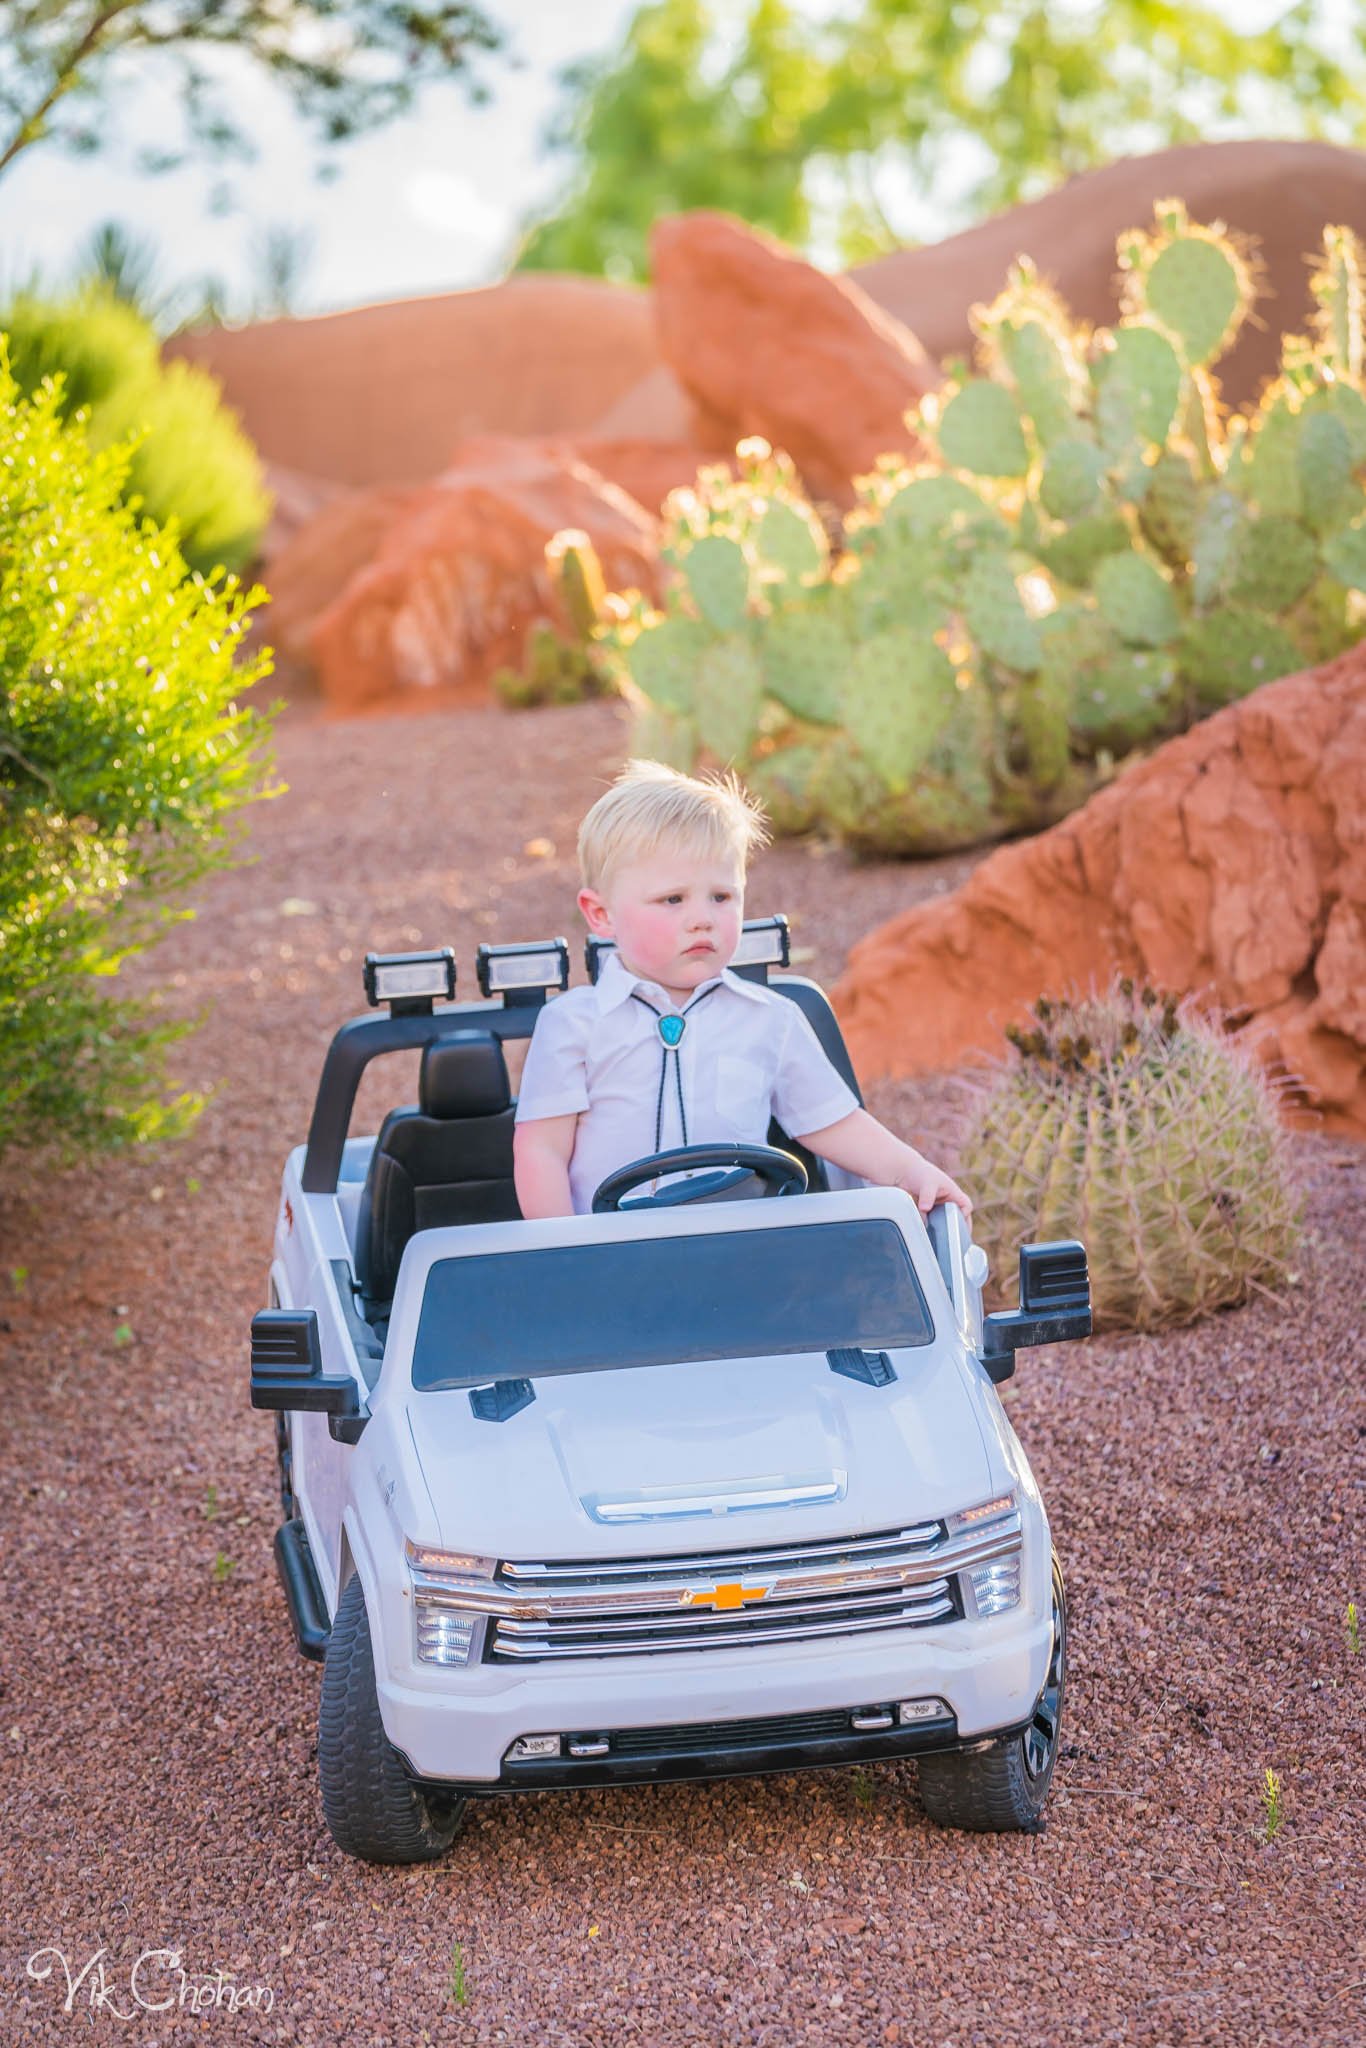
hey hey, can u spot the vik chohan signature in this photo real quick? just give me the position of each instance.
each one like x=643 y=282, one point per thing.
x=156 y=1982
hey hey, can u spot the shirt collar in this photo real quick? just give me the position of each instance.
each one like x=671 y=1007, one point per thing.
x=616 y=986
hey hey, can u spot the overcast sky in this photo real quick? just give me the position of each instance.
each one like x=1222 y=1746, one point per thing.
x=427 y=204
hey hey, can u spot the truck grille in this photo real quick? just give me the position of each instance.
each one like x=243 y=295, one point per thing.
x=716 y=1600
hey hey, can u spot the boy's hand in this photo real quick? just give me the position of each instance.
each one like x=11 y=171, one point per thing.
x=929 y=1184
x=860 y=1144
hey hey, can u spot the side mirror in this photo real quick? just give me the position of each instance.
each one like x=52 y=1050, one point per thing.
x=287 y=1371
x=1055 y=1305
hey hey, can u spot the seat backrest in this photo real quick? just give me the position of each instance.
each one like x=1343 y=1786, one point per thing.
x=447 y=1161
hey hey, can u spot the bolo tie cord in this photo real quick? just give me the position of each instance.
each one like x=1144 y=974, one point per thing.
x=678 y=1018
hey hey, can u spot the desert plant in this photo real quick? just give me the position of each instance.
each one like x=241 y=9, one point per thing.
x=190 y=460
x=559 y=667
x=124 y=754
x=1126 y=1119
x=1088 y=558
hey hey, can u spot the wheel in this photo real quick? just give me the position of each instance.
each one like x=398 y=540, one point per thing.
x=373 y=1808
x=1003 y=1789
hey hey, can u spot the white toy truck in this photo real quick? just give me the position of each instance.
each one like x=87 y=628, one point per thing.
x=694 y=1486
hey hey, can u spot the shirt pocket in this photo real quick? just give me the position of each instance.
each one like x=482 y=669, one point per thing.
x=744 y=1089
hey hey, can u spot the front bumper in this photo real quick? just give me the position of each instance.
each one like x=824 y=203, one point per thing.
x=738 y=1749
x=989 y=1674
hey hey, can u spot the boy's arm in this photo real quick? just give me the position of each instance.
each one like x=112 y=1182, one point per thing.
x=541 y=1151
x=861 y=1145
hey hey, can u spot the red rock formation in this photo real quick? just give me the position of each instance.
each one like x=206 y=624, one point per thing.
x=1283 y=193
x=460 y=574
x=1232 y=864
x=767 y=344
x=315 y=564
x=381 y=393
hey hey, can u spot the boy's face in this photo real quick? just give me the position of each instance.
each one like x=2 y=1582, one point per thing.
x=675 y=917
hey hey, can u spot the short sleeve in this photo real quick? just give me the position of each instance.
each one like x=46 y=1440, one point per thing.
x=807 y=1093
x=555 y=1078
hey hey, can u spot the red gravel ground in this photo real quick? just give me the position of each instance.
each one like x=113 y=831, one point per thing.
x=158 y=1729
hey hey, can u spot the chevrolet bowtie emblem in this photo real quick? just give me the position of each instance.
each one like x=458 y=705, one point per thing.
x=733 y=1594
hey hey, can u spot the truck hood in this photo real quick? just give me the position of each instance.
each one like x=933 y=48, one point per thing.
x=779 y=1449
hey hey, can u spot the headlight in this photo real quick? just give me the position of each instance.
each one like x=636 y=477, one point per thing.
x=444 y=1631
x=994 y=1586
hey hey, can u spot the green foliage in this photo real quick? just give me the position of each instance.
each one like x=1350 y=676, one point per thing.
x=347 y=65
x=823 y=124
x=1129 y=1122
x=190 y=462
x=124 y=755
x=1042 y=595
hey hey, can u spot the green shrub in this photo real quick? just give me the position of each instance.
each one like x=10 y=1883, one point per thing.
x=1089 y=558
x=191 y=463
x=124 y=753
x=1130 y=1122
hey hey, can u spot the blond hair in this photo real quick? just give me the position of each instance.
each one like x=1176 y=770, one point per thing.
x=650 y=806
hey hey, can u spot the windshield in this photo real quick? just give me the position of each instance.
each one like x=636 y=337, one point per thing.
x=667 y=1301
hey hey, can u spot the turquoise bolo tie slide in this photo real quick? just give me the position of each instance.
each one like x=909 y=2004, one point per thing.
x=671 y=1031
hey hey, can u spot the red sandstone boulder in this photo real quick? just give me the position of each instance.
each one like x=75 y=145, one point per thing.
x=460 y=573
x=766 y=344
x=1231 y=864
x=309 y=571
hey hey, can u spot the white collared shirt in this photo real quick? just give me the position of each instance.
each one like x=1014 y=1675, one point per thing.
x=747 y=1054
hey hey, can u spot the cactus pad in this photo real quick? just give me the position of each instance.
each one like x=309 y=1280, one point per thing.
x=1196 y=285
x=979 y=430
x=1217 y=533
x=717 y=576
x=1169 y=508
x=790 y=539
x=1273 y=563
x=1139 y=381
x=1075 y=553
x=1072 y=473
x=1345 y=555
x=805 y=651
x=994 y=614
x=1136 y=599
x=729 y=694
x=1329 y=493
x=662 y=661
x=899 y=693
x=1231 y=651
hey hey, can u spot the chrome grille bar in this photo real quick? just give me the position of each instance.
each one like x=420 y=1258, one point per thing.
x=700 y=1622
x=745 y=1632
x=717 y=1563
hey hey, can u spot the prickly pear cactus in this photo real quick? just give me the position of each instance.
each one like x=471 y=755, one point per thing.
x=1126 y=1120
x=1088 y=557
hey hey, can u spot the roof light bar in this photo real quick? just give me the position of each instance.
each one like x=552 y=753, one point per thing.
x=764 y=942
x=410 y=982
x=522 y=974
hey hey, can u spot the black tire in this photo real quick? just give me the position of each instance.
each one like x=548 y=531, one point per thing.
x=373 y=1808
x=1002 y=1789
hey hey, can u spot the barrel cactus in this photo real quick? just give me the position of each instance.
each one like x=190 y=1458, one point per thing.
x=1127 y=1120
x=1087 y=558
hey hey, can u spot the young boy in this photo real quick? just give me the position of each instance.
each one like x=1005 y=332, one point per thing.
x=668 y=1047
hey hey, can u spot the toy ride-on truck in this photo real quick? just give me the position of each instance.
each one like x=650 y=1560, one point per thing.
x=694 y=1486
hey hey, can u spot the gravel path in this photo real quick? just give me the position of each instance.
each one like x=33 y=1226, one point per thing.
x=157 y=1728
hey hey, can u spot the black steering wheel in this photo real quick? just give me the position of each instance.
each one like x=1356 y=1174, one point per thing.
x=780 y=1173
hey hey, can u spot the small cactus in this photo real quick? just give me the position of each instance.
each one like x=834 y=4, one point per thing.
x=1128 y=1121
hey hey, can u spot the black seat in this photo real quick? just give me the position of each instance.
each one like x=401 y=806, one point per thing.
x=447 y=1161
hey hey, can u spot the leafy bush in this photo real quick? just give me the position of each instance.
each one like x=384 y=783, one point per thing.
x=191 y=463
x=123 y=755
x=1090 y=558
x=1128 y=1121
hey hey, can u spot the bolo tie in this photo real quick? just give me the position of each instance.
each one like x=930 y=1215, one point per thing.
x=671 y=1025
